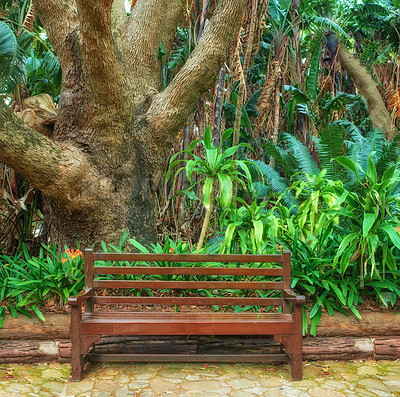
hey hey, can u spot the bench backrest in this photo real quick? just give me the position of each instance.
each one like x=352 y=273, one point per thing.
x=194 y=277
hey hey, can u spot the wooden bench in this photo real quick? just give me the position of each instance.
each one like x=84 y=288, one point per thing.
x=89 y=325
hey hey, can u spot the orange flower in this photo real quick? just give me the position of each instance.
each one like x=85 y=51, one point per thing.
x=72 y=254
x=171 y=250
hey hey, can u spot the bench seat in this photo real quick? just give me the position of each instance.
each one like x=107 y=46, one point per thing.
x=206 y=281
x=186 y=323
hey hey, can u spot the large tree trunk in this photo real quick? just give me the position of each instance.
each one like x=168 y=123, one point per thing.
x=100 y=170
x=379 y=115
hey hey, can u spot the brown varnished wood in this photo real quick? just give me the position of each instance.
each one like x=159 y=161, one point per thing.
x=147 y=323
x=210 y=358
x=189 y=258
x=286 y=327
x=252 y=285
x=247 y=271
x=87 y=341
x=89 y=264
x=175 y=300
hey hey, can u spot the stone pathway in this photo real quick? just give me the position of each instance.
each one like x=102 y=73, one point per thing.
x=321 y=379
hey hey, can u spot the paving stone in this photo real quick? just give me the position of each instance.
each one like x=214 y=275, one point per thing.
x=101 y=394
x=161 y=386
x=105 y=385
x=239 y=393
x=318 y=392
x=192 y=377
x=250 y=376
x=241 y=383
x=10 y=394
x=201 y=385
x=349 y=379
x=335 y=384
x=368 y=370
x=124 y=393
x=52 y=374
x=55 y=387
x=75 y=388
x=393 y=386
x=258 y=391
x=373 y=384
x=273 y=382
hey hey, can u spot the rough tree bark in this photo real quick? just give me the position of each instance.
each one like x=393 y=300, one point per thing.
x=101 y=168
x=380 y=116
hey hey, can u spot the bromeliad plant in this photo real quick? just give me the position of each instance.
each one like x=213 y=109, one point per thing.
x=218 y=167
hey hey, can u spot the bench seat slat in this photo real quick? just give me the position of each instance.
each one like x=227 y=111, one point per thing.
x=252 y=285
x=207 y=358
x=161 y=323
x=192 y=300
x=245 y=258
x=246 y=271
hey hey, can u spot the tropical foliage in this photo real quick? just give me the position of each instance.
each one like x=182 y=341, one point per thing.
x=282 y=154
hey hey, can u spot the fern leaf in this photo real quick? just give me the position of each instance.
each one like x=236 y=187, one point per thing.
x=302 y=155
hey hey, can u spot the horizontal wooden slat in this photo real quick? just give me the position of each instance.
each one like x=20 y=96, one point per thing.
x=186 y=323
x=131 y=257
x=156 y=270
x=192 y=300
x=252 y=285
x=249 y=358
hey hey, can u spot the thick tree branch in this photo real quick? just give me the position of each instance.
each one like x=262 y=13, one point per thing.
x=59 y=18
x=61 y=172
x=171 y=107
x=380 y=117
x=103 y=70
x=152 y=22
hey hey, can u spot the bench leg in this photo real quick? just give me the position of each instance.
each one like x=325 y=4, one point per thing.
x=77 y=363
x=297 y=355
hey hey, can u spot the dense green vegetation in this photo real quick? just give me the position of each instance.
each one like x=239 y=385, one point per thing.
x=283 y=153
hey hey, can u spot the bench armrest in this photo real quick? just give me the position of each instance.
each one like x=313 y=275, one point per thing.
x=290 y=296
x=80 y=297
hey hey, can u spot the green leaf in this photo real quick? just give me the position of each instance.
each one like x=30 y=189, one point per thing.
x=315 y=321
x=2 y=315
x=258 y=231
x=230 y=231
x=161 y=52
x=355 y=311
x=229 y=152
x=208 y=138
x=369 y=220
x=312 y=79
x=391 y=232
x=226 y=189
x=192 y=195
x=139 y=246
x=211 y=155
x=346 y=162
x=227 y=134
x=189 y=169
x=193 y=144
x=338 y=292
x=13 y=311
x=207 y=192
x=38 y=313
x=371 y=170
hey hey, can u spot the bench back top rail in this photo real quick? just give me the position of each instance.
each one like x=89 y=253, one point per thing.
x=194 y=279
